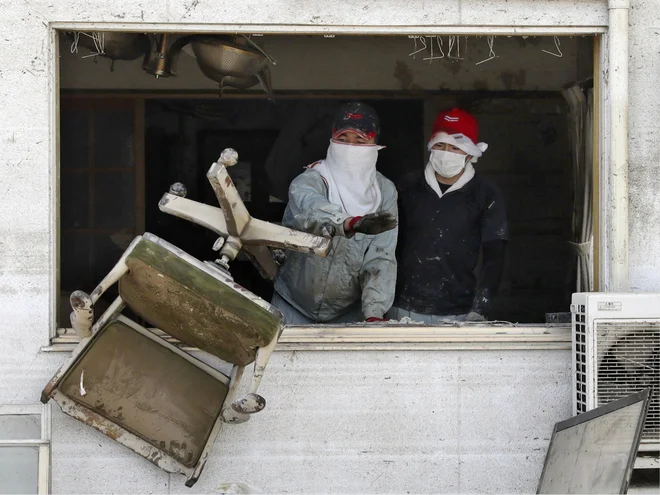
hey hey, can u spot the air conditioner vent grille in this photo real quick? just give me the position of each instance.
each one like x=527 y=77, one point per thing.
x=628 y=356
x=580 y=360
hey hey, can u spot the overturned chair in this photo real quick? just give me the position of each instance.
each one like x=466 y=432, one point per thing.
x=147 y=393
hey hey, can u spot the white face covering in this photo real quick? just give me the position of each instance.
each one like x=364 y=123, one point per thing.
x=350 y=170
x=446 y=163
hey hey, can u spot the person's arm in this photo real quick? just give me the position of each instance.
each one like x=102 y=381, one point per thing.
x=494 y=236
x=378 y=274
x=489 y=277
x=310 y=211
x=309 y=208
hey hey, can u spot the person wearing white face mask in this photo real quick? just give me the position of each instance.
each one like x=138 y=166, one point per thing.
x=342 y=196
x=447 y=219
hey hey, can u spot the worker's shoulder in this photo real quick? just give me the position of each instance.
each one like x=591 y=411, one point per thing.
x=387 y=187
x=309 y=175
x=410 y=183
x=485 y=186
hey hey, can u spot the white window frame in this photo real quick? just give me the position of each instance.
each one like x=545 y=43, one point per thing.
x=44 y=412
x=359 y=337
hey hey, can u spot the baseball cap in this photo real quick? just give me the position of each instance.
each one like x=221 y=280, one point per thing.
x=356 y=117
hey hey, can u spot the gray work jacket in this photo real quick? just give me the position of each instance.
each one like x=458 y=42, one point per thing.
x=360 y=268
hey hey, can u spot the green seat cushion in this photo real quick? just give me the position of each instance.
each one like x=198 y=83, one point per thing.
x=186 y=299
x=147 y=389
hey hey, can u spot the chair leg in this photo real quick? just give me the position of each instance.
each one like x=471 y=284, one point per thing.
x=114 y=309
x=117 y=272
x=83 y=313
x=233 y=208
x=253 y=402
x=83 y=304
x=229 y=414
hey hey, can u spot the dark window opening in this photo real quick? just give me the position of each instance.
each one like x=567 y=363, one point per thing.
x=120 y=152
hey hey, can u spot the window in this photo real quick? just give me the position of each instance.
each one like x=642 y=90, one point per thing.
x=180 y=125
x=170 y=129
x=25 y=449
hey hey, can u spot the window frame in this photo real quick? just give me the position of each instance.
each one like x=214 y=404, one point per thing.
x=44 y=412
x=514 y=336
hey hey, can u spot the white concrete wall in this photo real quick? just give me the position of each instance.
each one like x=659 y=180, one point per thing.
x=644 y=122
x=361 y=422
x=27 y=280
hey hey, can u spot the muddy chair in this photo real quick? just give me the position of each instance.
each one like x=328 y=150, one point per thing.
x=147 y=393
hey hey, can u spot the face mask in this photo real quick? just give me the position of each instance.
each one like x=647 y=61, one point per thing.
x=354 y=159
x=350 y=171
x=446 y=163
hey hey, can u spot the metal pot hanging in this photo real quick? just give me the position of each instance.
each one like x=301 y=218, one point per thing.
x=111 y=44
x=235 y=62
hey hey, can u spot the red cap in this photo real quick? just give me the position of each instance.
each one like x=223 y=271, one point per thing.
x=456 y=121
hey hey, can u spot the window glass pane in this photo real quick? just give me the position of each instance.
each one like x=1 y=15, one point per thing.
x=76 y=268
x=592 y=456
x=74 y=139
x=113 y=140
x=114 y=200
x=20 y=427
x=74 y=187
x=19 y=469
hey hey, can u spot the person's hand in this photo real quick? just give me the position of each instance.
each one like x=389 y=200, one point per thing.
x=375 y=319
x=373 y=223
x=474 y=316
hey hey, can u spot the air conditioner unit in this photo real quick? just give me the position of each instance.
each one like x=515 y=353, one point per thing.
x=616 y=352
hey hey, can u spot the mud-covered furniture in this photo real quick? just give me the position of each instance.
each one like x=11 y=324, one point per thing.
x=131 y=382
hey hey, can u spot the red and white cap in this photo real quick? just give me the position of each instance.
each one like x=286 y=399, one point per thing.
x=458 y=128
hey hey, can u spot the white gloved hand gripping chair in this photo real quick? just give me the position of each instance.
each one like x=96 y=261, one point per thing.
x=148 y=394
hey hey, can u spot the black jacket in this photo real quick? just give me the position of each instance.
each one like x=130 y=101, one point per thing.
x=439 y=244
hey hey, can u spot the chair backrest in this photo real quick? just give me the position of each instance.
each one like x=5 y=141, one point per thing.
x=196 y=303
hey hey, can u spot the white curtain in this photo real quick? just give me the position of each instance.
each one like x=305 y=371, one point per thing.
x=580 y=121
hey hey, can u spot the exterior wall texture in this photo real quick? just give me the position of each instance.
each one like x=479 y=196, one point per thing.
x=532 y=390
x=644 y=149
x=361 y=422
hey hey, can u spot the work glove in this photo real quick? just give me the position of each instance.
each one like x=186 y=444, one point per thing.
x=373 y=223
x=375 y=319
x=480 y=305
x=474 y=316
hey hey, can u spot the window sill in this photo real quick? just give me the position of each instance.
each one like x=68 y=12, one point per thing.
x=459 y=336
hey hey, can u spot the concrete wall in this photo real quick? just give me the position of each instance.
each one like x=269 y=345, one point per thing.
x=361 y=422
x=27 y=176
x=644 y=122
